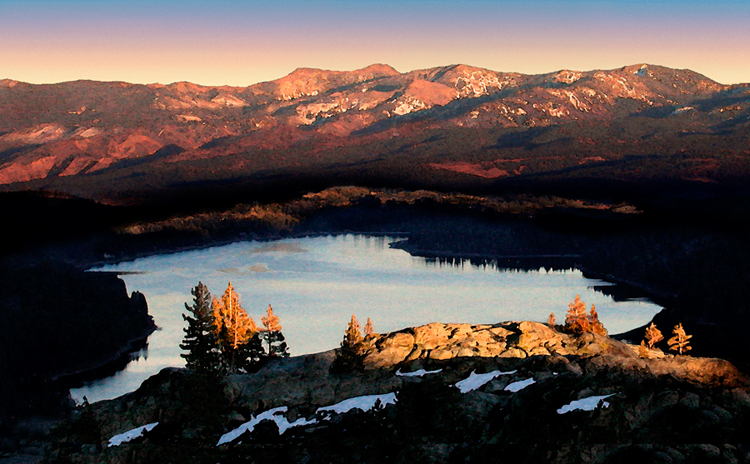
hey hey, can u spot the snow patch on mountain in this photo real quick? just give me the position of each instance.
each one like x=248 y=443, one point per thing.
x=131 y=435
x=419 y=373
x=644 y=71
x=475 y=381
x=275 y=414
x=364 y=403
x=307 y=114
x=408 y=105
x=586 y=404
x=622 y=87
x=478 y=83
x=519 y=385
x=229 y=101
x=42 y=133
x=567 y=77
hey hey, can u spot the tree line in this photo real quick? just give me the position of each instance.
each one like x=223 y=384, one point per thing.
x=221 y=338
x=578 y=322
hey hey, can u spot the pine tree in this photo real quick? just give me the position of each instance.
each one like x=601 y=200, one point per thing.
x=277 y=347
x=679 y=341
x=349 y=356
x=352 y=335
x=576 y=320
x=642 y=351
x=653 y=335
x=201 y=340
x=551 y=321
x=595 y=325
x=237 y=331
x=250 y=356
x=86 y=428
x=369 y=329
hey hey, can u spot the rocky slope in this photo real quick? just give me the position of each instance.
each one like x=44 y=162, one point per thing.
x=452 y=125
x=448 y=393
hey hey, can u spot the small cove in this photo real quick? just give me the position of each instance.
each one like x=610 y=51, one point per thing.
x=315 y=284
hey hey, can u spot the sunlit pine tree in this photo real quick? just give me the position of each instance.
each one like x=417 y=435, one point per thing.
x=642 y=350
x=201 y=338
x=277 y=347
x=349 y=356
x=679 y=341
x=576 y=320
x=369 y=330
x=551 y=320
x=238 y=333
x=352 y=336
x=653 y=335
x=595 y=324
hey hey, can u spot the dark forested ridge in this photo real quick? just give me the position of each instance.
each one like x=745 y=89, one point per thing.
x=59 y=323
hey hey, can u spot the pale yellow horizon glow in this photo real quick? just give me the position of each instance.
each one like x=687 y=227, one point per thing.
x=235 y=68
x=241 y=46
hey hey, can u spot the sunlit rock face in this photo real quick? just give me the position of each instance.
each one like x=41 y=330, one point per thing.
x=56 y=134
x=506 y=340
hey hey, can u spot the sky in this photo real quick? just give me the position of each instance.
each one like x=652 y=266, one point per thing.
x=242 y=42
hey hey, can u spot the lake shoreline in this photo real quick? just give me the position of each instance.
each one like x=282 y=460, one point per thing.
x=324 y=279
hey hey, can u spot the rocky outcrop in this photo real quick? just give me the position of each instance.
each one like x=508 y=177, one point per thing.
x=505 y=340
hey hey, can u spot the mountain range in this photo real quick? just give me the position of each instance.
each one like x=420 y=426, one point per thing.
x=637 y=128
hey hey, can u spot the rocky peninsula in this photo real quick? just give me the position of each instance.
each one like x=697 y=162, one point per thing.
x=434 y=393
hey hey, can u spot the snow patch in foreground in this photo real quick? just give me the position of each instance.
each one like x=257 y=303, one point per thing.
x=475 y=380
x=365 y=403
x=585 y=404
x=125 y=437
x=520 y=385
x=418 y=373
x=275 y=414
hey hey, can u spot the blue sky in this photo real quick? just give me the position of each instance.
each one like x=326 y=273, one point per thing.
x=243 y=42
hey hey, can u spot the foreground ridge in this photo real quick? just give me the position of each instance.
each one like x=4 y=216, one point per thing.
x=504 y=387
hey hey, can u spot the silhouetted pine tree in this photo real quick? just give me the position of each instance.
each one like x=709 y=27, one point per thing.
x=87 y=428
x=277 y=347
x=201 y=340
x=250 y=356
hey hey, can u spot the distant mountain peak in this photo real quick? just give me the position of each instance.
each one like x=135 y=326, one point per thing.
x=566 y=76
x=458 y=119
x=379 y=69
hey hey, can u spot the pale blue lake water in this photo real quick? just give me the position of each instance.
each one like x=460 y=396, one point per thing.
x=315 y=284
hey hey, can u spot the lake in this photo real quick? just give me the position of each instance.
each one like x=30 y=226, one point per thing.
x=315 y=284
